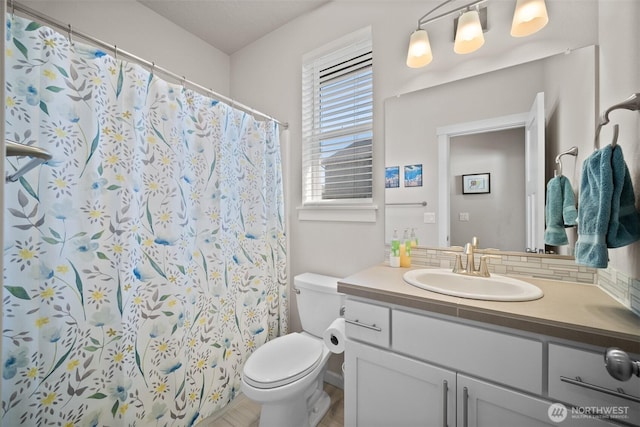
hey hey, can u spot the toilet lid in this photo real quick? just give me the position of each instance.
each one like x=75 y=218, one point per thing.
x=282 y=361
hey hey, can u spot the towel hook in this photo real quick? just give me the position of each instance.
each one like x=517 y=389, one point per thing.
x=573 y=151
x=632 y=103
x=614 y=140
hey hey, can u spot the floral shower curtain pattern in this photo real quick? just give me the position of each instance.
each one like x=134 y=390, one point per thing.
x=146 y=260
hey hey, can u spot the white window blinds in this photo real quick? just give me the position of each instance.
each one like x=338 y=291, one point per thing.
x=337 y=107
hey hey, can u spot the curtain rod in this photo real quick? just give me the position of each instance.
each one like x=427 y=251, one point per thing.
x=17 y=7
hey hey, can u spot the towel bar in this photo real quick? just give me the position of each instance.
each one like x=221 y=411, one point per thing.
x=39 y=155
x=407 y=204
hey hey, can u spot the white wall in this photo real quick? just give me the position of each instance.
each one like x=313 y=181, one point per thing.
x=619 y=78
x=138 y=30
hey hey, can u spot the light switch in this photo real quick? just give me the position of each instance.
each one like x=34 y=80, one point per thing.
x=463 y=216
x=429 y=217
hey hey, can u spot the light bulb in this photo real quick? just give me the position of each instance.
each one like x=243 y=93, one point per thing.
x=419 y=53
x=469 y=37
x=529 y=17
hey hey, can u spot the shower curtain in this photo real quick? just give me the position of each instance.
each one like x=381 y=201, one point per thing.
x=146 y=260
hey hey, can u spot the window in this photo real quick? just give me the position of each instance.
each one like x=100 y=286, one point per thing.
x=337 y=122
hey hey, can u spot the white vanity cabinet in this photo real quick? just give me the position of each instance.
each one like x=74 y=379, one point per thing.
x=387 y=389
x=483 y=404
x=406 y=369
x=384 y=389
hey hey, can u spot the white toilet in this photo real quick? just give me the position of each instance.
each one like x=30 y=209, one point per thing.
x=286 y=374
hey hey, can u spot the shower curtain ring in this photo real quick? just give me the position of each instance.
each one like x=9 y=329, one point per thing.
x=13 y=9
x=153 y=68
x=70 y=32
x=115 y=52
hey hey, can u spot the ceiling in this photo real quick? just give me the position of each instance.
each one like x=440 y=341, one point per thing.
x=230 y=25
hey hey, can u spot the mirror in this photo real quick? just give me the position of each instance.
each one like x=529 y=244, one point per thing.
x=412 y=125
x=505 y=146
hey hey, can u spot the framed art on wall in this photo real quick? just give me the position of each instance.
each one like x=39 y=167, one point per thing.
x=392 y=177
x=413 y=176
x=478 y=183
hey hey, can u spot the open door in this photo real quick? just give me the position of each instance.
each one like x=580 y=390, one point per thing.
x=534 y=174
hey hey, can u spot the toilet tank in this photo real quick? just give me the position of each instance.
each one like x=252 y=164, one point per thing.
x=318 y=301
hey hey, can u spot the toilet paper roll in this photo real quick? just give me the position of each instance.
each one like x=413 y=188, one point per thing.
x=334 y=336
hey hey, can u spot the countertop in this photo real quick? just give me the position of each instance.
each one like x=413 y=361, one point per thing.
x=572 y=311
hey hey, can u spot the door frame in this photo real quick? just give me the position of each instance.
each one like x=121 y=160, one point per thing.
x=445 y=133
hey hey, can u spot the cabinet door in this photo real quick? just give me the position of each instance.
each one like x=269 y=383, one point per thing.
x=383 y=389
x=481 y=404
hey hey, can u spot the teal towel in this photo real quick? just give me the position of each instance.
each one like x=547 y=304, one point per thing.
x=594 y=209
x=624 y=225
x=560 y=211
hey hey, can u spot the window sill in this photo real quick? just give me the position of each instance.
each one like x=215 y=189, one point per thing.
x=346 y=213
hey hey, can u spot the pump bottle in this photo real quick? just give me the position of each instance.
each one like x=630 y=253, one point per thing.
x=394 y=253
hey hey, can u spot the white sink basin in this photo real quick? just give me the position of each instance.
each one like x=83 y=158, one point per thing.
x=494 y=288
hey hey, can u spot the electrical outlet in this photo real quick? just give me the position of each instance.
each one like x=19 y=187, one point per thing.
x=463 y=216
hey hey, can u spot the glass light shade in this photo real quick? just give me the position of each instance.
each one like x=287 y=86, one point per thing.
x=469 y=37
x=530 y=16
x=419 y=53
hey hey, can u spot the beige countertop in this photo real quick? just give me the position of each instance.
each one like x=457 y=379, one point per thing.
x=572 y=311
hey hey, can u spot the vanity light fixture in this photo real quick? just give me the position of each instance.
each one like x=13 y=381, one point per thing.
x=469 y=37
x=529 y=17
x=419 y=49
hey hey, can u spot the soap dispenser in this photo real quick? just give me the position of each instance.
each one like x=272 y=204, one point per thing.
x=405 y=250
x=414 y=238
x=394 y=254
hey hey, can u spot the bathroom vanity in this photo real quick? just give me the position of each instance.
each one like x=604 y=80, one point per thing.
x=419 y=358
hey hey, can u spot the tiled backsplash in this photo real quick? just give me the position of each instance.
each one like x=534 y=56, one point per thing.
x=635 y=296
x=553 y=267
x=621 y=287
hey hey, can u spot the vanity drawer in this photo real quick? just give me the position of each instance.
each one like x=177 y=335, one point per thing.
x=574 y=372
x=496 y=356
x=367 y=322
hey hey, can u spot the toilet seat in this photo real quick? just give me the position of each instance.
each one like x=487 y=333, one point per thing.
x=283 y=361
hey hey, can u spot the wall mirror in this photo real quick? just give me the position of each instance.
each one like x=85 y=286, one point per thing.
x=418 y=123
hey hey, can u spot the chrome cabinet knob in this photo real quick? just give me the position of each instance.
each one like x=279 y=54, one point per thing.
x=619 y=365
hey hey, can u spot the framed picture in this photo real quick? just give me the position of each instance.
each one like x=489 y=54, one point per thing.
x=392 y=177
x=413 y=176
x=478 y=183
